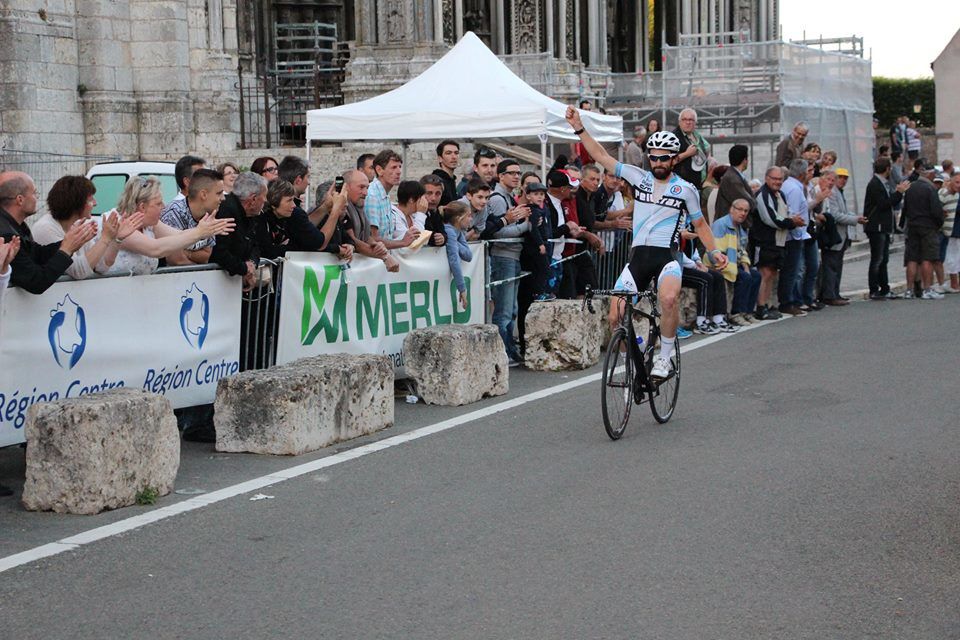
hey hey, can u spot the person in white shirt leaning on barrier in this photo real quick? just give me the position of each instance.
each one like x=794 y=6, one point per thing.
x=141 y=250
x=70 y=202
x=662 y=204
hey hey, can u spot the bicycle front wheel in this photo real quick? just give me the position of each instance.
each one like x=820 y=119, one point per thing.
x=663 y=398
x=616 y=397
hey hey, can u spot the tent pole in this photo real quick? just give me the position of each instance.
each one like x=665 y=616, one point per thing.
x=543 y=158
x=404 y=159
x=306 y=194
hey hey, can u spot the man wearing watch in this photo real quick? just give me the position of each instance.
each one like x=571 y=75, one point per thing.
x=663 y=202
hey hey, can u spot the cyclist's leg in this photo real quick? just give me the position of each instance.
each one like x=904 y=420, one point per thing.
x=668 y=292
x=628 y=281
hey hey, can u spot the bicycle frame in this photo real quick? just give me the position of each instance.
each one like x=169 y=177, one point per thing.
x=642 y=360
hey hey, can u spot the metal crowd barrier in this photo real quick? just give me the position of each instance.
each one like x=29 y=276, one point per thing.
x=260 y=317
x=609 y=265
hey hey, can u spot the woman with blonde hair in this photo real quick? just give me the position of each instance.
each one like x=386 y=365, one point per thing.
x=140 y=252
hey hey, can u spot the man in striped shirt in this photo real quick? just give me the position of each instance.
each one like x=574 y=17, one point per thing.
x=950 y=198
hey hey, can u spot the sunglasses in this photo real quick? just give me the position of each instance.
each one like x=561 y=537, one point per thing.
x=663 y=158
x=488 y=153
x=511 y=173
x=271 y=170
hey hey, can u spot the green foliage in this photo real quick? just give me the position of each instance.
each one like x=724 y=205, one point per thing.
x=894 y=97
x=148 y=495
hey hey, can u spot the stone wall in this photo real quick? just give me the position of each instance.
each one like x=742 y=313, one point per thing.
x=39 y=76
x=144 y=78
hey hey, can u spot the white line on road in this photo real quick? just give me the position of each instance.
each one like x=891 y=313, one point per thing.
x=129 y=524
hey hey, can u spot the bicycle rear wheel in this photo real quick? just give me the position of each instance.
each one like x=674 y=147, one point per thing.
x=663 y=398
x=616 y=395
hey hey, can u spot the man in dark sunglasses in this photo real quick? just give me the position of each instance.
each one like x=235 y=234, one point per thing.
x=663 y=203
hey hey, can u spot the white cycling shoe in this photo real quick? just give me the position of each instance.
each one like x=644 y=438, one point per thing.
x=662 y=368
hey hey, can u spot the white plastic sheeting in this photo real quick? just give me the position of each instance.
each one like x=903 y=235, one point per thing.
x=767 y=87
x=467 y=94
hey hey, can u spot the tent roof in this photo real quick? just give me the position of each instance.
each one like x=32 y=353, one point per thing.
x=468 y=93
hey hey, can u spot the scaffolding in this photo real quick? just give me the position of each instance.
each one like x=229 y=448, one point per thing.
x=753 y=93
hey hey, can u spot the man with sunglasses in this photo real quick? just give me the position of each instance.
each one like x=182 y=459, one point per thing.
x=662 y=203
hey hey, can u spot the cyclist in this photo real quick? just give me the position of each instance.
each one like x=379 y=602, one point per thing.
x=662 y=203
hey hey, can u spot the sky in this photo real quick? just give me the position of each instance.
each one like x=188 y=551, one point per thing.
x=899 y=49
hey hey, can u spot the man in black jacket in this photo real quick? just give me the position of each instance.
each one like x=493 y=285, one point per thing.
x=923 y=212
x=35 y=268
x=878 y=205
x=239 y=252
x=733 y=184
x=448 y=156
x=315 y=231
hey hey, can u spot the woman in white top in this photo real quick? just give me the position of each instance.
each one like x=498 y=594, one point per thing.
x=70 y=202
x=141 y=251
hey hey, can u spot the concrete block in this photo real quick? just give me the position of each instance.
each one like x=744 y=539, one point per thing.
x=97 y=452
x=454 y=365
x=688 y=307
x=561 y=336
x=304 y=405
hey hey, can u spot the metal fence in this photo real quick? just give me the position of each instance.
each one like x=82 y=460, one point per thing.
x=260 y=308
x=46 y=168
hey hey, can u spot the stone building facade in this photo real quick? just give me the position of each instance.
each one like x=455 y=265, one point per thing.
x=137 y=78
x=158 y=78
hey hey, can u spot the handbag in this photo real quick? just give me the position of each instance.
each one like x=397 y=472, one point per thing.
x=828 y=235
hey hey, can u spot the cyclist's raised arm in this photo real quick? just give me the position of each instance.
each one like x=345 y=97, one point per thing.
x=594 y=148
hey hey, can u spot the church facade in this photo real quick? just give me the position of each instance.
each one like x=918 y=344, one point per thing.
x=158 y=78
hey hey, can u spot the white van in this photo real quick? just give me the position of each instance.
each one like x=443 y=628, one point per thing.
x=110 y=177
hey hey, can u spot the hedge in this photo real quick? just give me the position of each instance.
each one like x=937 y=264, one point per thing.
x=894 y=97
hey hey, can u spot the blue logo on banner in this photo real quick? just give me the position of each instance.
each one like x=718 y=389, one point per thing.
x=194 y=316
x=67 y=332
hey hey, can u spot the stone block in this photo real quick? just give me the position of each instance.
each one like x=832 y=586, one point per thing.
x=560 y=335
x=688 y=307
x=304 y=405
x=453 y=365
x=97 y=452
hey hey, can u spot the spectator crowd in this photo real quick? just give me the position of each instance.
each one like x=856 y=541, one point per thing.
x=547 y=239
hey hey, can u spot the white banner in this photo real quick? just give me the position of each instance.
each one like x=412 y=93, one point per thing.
x=175 y=334
x=365 y=309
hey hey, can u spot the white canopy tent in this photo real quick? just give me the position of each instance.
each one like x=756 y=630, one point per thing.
x=467 y=94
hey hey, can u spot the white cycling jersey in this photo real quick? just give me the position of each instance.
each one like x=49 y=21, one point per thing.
x=660 y=209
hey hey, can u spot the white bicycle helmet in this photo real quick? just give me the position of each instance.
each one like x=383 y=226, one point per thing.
x=665 y=140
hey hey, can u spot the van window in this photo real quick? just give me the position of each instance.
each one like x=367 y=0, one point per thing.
x=109 y=187
x=168 y=185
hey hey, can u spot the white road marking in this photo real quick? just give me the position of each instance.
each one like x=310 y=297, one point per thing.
x=135 y=522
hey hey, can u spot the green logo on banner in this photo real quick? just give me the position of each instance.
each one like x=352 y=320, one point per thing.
x=379 y=310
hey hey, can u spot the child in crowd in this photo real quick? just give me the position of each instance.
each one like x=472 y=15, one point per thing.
x=536 y=241
x=456 y=219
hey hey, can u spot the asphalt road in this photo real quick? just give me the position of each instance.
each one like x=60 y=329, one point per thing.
x=808 y=487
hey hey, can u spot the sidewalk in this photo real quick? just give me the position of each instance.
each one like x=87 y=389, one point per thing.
x=856 y=263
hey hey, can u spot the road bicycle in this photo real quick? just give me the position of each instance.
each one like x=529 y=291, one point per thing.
x=628 y=361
